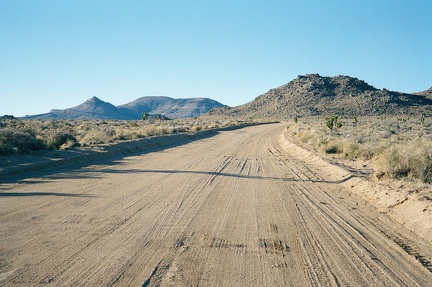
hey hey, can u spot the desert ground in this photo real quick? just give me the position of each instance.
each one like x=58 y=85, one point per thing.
x=239 y=208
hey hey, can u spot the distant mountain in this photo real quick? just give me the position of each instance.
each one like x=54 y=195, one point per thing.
x=313 y=95
x=172 y=108
x=95 y=108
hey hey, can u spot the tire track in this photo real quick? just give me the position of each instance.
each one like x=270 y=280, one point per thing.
x=231 y=210
x=343 y=230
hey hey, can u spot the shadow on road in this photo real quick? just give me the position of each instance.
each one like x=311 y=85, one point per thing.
x=25 y=194
x=111 y=155
x=79 y=174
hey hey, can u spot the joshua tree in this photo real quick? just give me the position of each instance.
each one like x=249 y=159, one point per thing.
x=331 y=122
x=145 y=116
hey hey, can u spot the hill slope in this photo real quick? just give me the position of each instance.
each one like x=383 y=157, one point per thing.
x=427 y=93
x=172 y=108
x=95 y=108
x=312 y=95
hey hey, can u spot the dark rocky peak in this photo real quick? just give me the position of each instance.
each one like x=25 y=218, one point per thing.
x=331 y=85
x=350 y=85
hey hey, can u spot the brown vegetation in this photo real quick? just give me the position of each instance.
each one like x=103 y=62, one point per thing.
x=398 y=147
x=21 y=136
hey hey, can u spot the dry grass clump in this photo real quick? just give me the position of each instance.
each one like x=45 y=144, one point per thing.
x=23 y=136
x=331 y=143
x=411 y=160
x=399 y=147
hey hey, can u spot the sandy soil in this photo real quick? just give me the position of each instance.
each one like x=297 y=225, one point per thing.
x=240 y=208
x=408 y=202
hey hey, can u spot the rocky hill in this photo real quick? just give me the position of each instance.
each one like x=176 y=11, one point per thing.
x=313 y=95
x=95 y=108
x=427 y=93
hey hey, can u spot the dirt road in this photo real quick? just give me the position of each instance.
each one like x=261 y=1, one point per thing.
x=229 y=210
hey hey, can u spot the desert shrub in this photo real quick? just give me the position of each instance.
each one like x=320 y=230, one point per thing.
x=332 y=149
x=306 y=136
x=399 y=148
x=149 y=131
x=109 y=131
x=165 y=130
x=352 y=149
x=155 y=130
x=412 y=160
x=321 y=141
x=180 y=129
x=12 y=141
x=120 y=133
x=371 y=149
x=94 y=136
x=61 y=139
x=227 y=123
x=133 y=136
x=21 y=135
x=326 y=144
x=213 y=125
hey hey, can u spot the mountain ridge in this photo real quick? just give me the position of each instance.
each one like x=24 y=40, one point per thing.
x=306 y=95
x=95 y=108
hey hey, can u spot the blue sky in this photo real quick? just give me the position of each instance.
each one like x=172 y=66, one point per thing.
x=57 y=54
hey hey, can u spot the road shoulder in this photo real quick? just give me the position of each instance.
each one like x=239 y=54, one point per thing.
x=403 y=201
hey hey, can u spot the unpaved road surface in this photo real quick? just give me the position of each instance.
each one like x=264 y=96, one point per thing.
x=229 y=210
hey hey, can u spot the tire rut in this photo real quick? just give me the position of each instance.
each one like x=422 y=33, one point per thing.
x=232 y=210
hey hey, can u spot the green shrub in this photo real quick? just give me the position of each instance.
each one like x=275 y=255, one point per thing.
x=332 y=149
x=12 y=141
x=58 y=139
